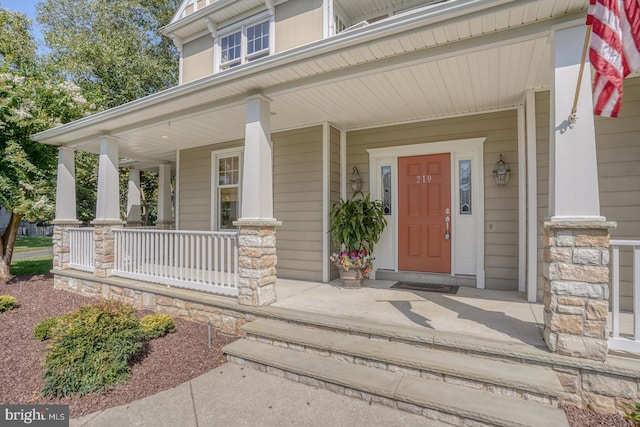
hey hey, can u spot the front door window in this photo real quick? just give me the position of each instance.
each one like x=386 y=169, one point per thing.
x=228 y=190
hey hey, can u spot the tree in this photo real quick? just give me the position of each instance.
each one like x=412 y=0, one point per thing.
x=111 y=48
x=16 y=44
x=32 y=99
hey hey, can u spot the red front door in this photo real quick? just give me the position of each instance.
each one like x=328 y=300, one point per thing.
x=424 y=199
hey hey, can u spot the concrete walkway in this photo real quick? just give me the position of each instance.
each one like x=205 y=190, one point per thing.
x=234 y=396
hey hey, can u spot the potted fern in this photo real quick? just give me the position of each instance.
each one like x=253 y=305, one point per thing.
x=356 y=226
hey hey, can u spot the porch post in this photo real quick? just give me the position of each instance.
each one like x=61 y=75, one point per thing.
x=134 y=215
x=576 y=238
x=65 y=207
x=164 y=220
x=108 y=207
x=257 y=245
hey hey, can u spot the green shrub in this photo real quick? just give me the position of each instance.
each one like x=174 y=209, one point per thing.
x=91 y=350
x=633 y=413
x=7 y=302
x=44 y=328
x=157 y=325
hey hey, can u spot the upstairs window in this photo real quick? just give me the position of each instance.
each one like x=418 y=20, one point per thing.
x=247 y=43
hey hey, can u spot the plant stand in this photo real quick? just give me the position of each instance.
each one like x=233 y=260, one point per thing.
x=351 y=278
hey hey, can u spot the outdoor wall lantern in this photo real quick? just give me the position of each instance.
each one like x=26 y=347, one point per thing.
x=501 y=172
x=356 y=180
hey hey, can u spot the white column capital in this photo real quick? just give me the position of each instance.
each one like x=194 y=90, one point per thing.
x=257 y=174
x=108 y=203
x=258 y=96
x=573 y=168
x=66 y=187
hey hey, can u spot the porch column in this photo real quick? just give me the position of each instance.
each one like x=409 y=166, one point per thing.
x=576 y=238
x=134 y=214
x=257 y=244
x=65 y=207
x=164 y=220
x=108 y=207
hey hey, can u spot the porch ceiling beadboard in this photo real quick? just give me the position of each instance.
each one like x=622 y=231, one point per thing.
x=458 y=57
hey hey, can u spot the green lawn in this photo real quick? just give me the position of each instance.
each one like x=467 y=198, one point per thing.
x=32 y=243
x=40 y=265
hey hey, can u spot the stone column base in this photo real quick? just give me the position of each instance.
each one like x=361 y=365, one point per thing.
x=257 y=262
x=104 y=247
x=61 y=249
x=576 y=287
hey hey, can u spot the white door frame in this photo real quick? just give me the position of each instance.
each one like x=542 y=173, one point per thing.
x=471 y=148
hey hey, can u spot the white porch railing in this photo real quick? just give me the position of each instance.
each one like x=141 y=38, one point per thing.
x=625 y=342
x=81 y=248
x=200 y=260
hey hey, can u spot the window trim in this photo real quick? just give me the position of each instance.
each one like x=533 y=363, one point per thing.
x=216 y=155
x=241 y=27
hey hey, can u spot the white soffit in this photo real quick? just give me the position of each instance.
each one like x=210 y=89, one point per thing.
x=468 y=65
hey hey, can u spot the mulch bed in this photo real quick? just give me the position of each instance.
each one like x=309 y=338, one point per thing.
x=169 y=362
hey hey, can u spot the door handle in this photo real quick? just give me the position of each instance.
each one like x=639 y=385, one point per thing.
x=447 y=233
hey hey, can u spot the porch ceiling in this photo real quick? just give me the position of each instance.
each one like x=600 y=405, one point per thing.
x=417 y=66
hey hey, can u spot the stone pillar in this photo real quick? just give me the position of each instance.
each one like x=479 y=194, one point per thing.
x=257 y=262
x=164 y=220
x=576 y=287
x=134 y=211
x=65 y=207
x=108 y=208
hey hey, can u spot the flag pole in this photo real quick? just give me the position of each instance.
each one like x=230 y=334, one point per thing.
x=574 y=111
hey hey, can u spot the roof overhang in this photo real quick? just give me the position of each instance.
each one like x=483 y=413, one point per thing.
x=444 y=60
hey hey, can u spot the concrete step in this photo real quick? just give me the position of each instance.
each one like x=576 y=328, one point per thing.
x=443 y=401
x=499 y=376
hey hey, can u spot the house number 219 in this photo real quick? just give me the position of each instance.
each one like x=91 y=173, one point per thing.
x=421 y=179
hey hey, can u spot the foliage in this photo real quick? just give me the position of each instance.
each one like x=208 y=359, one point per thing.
x=16 y=44
x=633 y=412
x=30 y=243
x=32 y=266
x=157 y=325
x=91 y=350
x=44 y=329
x=7 y=302
x=357 y=224
x=33 y=98
x=111 y=48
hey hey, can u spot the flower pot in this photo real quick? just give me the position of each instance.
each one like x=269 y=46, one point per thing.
x=353 y=277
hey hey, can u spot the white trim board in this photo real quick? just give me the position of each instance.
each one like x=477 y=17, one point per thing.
x=460 y=149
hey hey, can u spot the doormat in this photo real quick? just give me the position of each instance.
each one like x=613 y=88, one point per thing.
x=426 y=287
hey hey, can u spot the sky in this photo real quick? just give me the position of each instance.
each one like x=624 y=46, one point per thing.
x=28 y=7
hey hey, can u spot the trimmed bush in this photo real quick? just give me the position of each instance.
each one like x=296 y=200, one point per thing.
x=157 y=325
x=44 y=328
x=7 y=302
x=91 y=350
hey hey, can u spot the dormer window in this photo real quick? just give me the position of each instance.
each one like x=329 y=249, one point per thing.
x=244 y=44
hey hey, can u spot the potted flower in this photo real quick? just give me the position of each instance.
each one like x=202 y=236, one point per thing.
x=356 y=226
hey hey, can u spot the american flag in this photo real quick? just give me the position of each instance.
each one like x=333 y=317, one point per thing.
x=614 y=50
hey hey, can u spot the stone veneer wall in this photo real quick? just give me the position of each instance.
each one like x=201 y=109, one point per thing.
x=225 y=320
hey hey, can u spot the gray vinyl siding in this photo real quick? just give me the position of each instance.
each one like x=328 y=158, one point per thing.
x=501 y=202
x=297 y=187
x=334 y=181
x=618 y=154
x=618 y=149
x=197 y=58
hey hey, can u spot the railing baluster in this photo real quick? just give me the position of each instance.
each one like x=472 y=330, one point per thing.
x=636 y=293
x=615 y=300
